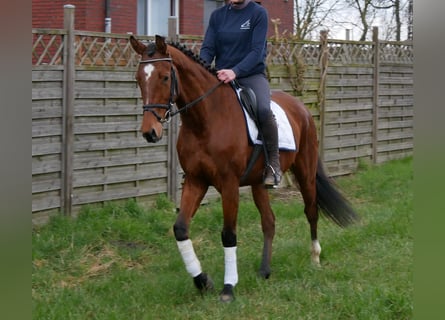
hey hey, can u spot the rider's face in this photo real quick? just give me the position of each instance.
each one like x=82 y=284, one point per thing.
x=238 y=2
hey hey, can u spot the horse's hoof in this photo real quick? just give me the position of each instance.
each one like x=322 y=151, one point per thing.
x=203 y=282
x=316 y=264
x=226 y=294
x=264 y=273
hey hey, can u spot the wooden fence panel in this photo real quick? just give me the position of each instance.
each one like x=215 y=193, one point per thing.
x=112 y=160
x=396 y=112
x=47 y=101
x=348 y=117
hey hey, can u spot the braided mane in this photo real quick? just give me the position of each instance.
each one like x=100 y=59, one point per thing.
x=194 y=57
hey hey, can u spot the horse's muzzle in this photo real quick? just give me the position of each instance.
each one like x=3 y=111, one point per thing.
x=151 y=136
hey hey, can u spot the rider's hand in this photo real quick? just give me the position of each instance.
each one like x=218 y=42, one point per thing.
x=226 y=75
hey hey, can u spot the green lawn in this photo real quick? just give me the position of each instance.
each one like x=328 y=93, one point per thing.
x=121 y=261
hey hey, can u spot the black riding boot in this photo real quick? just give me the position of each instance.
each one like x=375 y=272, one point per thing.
x=273 y=173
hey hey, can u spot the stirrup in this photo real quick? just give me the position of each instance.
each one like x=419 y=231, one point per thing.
x=276 y=177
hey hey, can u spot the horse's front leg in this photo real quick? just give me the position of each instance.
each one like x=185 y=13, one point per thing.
x=230 y=201
x=192 y=193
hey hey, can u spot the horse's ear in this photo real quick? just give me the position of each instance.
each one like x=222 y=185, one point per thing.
x=138 y=46
x=160 y=44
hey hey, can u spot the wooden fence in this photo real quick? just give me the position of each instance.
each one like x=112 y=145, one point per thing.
x=86 y=113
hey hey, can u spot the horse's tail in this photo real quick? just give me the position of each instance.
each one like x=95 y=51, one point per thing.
x=331 y=202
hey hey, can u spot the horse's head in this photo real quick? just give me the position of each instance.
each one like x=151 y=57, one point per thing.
x=156 y=79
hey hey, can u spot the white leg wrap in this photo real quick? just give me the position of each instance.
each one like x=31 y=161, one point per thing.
x=189 y=257
x=315 y=252
x=231 y=271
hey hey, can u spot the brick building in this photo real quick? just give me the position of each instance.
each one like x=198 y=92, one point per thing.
x=147 y=17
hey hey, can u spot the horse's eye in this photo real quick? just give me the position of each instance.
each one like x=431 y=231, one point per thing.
x=165 y=78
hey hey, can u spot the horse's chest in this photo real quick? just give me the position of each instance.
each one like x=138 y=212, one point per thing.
x=201 y=158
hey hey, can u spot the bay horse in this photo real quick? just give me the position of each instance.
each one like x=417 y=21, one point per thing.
x=213 y=150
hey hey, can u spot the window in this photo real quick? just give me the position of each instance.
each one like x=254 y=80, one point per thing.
x=152 y=16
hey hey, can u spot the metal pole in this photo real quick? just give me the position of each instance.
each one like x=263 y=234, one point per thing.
x=108 y=25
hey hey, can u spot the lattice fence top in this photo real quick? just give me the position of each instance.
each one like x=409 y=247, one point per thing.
x=104 y=49
x=343 y=52
x=396 y=52
x=191 y=42
x=350 y=53
x=280 y=52
x=47 y=48
x=91 y=49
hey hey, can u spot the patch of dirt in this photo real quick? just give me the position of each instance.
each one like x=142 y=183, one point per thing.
x=287 y=191
x=285 y=194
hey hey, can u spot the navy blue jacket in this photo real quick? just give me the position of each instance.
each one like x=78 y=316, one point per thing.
x=236 y=38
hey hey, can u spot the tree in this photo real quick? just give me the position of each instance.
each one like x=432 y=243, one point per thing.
x=395 y=6
x=409 y=14
x=388 y=12
x=366 y=15
x=311 y=15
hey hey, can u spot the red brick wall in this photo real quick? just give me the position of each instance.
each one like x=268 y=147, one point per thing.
x=49 y=14
x=123 y=16
x=191 y=14
x=89 y=14
x=94 y=15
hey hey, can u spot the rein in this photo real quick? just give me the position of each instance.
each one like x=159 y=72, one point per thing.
x=173 y=91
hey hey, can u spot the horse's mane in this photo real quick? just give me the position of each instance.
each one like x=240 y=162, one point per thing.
x=194 y=57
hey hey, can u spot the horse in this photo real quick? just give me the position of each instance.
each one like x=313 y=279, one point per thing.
x=213 y=150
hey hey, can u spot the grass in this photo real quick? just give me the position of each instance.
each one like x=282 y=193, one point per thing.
x=121 y=261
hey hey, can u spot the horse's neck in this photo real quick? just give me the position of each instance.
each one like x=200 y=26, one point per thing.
x=196 y=82
x=208 y=110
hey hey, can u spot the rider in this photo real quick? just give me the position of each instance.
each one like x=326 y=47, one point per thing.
x=236 y=38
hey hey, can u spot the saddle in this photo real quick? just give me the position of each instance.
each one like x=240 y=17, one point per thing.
x=247 y=98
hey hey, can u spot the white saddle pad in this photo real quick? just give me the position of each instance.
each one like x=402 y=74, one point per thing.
x=286 y=139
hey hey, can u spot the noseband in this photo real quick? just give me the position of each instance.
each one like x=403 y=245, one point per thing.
x=173 y=92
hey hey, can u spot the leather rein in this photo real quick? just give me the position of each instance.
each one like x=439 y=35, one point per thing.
x=174 y=92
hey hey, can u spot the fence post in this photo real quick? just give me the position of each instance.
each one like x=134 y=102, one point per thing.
x=173 y=163
x=68 y=105
x=172 y=174
x=375 y=98
x=323 y=63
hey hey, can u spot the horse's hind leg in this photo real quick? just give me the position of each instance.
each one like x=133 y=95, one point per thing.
x=261 y=199
x=192 y=194
x=305 y=173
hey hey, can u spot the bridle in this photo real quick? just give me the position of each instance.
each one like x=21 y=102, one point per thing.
x=174 y=92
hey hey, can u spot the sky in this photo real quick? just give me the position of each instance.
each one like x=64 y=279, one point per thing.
x=347 y=17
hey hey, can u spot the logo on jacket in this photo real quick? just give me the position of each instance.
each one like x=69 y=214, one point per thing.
x=245 y=25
